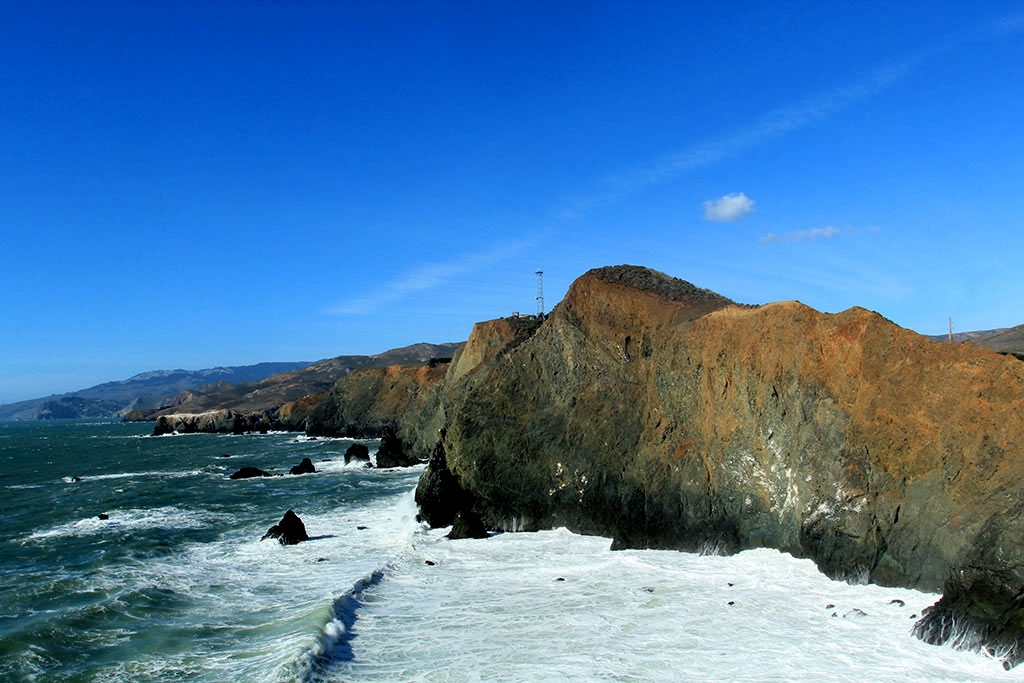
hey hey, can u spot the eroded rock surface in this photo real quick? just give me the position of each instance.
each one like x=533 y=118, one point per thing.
x=667 y=416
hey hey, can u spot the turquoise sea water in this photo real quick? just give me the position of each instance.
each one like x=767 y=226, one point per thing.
x=176 y=586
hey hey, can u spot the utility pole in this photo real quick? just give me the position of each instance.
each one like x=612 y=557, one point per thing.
x=540 y=293
x=951 y=329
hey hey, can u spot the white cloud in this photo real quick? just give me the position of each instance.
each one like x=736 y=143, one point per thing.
x=428 y=276
x=729 y=208
x=801 y=235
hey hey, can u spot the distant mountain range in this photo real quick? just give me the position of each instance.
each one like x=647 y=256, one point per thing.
x=145 y=390
x=272 y=392
x=188 y=390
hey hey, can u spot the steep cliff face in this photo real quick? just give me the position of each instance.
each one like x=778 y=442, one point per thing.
x=366 y=402
x=292 y=416
x=667 y=416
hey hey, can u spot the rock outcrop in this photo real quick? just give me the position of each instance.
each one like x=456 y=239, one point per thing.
x=392 y=452
x=366 y=403
x=664 y=415
x=213 y=422
x=304 y=467
x=357 y=452
x=289 y=531
x=292 y=416
x=249 y=473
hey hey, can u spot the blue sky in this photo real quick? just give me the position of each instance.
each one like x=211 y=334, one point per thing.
x=221 y=183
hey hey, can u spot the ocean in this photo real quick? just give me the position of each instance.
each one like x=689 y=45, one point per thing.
x=175 y=584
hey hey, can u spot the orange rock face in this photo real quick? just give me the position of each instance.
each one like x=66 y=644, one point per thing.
x=664 y=415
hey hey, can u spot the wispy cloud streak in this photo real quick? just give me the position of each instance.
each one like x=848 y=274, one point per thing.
x=778 y=122
x=800 y=235
x=428 y=276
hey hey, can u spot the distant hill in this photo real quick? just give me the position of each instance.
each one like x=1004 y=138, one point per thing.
x=1002 y=339
x=965 y=336
x=276 y=390
x=145 y=390
x=1010 y=340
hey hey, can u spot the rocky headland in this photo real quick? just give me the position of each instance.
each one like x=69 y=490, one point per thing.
x=666 y=416
x=663 y=415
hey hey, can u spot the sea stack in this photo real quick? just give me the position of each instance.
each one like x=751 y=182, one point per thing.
x=289 y=531
x=304 y=467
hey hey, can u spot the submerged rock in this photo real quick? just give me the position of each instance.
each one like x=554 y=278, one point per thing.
x=289 y=531
x=249 y=472
x=357 y=451
x=304 y=467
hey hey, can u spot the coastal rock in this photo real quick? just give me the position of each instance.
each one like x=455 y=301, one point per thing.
x=357 y=451
x=392 y=452
x=402 y=398
x=438 y=494
x=212 y=422
x=304 y=467
x=666 y=416
x=978 y=611
x=289 y=531
x=292 y=416
x=467 y=524
x=249 y=472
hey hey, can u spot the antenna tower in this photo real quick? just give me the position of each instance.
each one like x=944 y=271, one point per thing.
x=540 y=293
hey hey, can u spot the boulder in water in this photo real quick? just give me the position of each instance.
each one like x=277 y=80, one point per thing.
x=467 y=524
x=392 y=452
x=289 y=531
x=304 y=467
x=103 y=515
x=249 y=472
x=357 y=451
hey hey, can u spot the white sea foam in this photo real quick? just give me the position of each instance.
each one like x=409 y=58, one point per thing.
x=273 y=603
x=559 y=606
x=167 y=517
x=131 y=475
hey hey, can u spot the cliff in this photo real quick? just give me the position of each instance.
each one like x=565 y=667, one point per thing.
x=367 y=402
x=271 y=393
x=667 y=416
